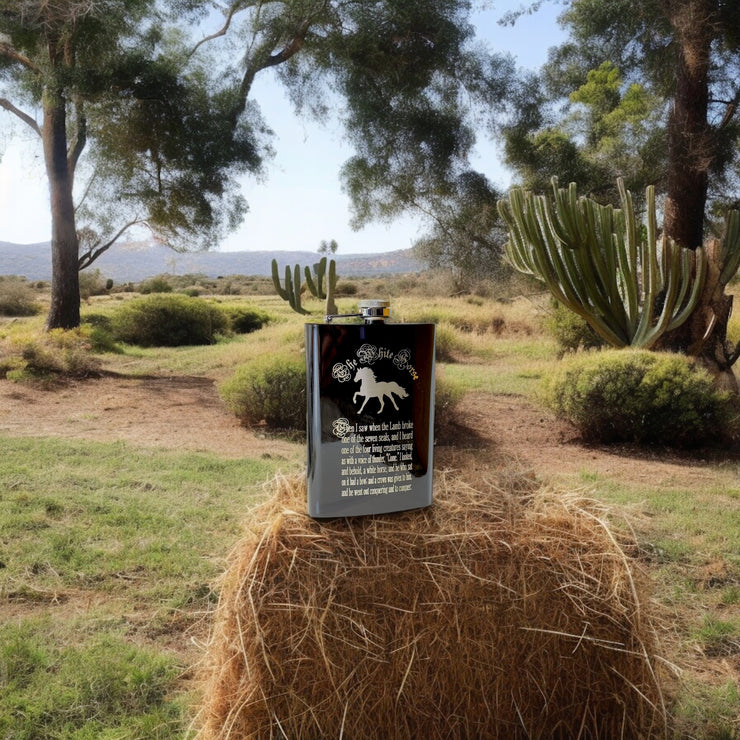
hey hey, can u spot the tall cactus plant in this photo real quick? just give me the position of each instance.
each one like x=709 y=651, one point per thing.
x=629 y=284
x=314 y=282
x=316 y=286
x=292 y=290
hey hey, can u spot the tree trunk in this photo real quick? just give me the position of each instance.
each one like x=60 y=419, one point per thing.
x=64 y=312
x=690 y=151
x=690 y=156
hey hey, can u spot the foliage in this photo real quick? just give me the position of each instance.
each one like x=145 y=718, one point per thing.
x=604 y=104
x=571 y=331
x=57 y=354
x=161 y=320
x=92 y=282
x=158 y=284
x=17 y=298
x=272 y=390
x=155 y=127
x=631 y=286
x=639 y=396
x=246 y=319
x=467 y=236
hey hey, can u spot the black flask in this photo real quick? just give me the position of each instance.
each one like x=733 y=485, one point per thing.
x=370 y=414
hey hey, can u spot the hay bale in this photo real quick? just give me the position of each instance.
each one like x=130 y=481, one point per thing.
x=493 y=614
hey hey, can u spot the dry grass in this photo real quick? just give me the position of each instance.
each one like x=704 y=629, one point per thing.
x=505 y=613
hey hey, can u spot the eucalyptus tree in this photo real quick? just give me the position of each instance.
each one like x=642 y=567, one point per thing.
x=131 y=133
x=651 y=91
x=159 y=122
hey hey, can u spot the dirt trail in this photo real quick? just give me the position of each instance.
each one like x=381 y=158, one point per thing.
x=186 y=413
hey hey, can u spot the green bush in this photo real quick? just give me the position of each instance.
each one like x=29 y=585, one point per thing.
x=92 y=282
x=168 y=321
x=447 y=397
x=157 y=284
x=270 y=390
x=56 y=354
x=571 y=331
x=639 y=396
x=243 y=319
x=17 y=298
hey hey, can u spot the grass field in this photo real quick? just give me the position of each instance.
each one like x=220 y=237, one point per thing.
x=110 y=552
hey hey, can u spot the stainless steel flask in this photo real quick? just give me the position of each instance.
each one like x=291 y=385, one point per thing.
x=370 y=414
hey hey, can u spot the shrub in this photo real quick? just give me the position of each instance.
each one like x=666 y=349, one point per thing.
x=571 y=331
x=92 y=283
x=271 y=389
x=639 y=396
x=155 y=285
x=168 y=321
x=447 y=397
x=58 y=353
x=17 y=298
x=243 y=319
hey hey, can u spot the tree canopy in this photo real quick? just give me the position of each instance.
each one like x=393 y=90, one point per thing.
x=140 y=123
x=646 y=90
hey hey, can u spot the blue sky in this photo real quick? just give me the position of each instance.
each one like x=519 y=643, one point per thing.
x=300 y=201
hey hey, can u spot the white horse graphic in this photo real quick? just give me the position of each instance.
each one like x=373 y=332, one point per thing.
x=372 y=388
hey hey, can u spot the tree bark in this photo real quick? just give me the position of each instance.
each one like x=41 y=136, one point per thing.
x=690 y=151
x=690 y=156
x=64 y=312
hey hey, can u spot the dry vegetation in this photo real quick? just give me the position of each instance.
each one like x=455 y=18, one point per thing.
x=88 y=439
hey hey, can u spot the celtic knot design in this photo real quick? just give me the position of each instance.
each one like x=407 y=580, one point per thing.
x=401 y=360
x=367 y=354
x=341 y=373
x=341 y=427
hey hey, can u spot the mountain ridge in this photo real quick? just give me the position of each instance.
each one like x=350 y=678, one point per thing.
x=136 y=261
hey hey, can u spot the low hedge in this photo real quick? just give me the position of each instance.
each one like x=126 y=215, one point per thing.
x=639 y=396
x=168 y=320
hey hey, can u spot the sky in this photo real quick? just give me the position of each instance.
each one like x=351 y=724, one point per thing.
x=299 y=202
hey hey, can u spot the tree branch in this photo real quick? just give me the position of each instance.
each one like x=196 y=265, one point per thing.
x=86 y=259
x=7 y=50
x=235 y=8
x=80 y=139
x=5 y=103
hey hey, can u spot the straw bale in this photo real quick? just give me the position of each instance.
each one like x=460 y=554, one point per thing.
x=492 y=614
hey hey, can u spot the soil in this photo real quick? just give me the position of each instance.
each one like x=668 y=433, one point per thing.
x=186 y=413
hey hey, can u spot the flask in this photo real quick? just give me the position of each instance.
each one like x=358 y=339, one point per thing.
x=370 y=414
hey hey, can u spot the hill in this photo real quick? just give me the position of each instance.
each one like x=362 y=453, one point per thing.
x=137 y=261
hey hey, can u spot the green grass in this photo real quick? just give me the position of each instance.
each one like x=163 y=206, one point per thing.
x=108 y=555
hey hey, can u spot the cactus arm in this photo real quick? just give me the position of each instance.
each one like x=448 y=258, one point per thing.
x=292 y=291
x=700 y=265
x=594 y=260
x=331 y=285
x=317 y=287
x=282 y=292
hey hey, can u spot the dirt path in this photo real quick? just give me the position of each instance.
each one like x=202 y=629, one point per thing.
x=174 y=412
x=185 y=413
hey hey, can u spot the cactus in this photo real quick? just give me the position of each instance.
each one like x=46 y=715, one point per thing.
x=292 y=290
x=315 y=285
x=630 y=287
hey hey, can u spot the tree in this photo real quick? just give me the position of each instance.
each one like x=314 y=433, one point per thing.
x=677 y=65
x=466 y=235
x=131 y=133
x=328 y=247
x=165 y=128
